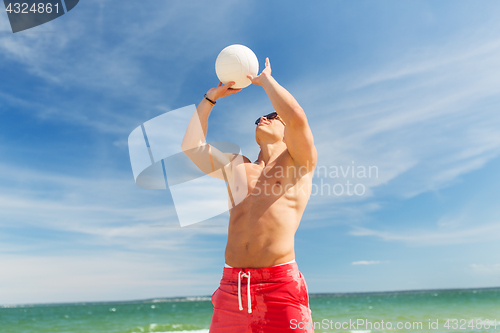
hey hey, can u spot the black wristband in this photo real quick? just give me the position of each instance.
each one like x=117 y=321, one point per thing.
x=208 y=99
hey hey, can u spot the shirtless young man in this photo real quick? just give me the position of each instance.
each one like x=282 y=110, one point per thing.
x=268 y=198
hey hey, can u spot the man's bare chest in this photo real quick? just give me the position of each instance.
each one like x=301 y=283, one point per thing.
x=281 y=178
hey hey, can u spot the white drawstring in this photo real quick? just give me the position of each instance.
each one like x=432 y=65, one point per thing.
x=248 y=290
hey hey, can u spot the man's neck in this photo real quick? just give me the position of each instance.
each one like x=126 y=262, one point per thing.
x=270 y=151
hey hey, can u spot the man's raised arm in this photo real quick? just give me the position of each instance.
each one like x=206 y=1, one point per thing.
x=298 y=135
x=206 y=157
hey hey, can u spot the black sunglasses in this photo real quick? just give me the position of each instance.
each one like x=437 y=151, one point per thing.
x=271 y=115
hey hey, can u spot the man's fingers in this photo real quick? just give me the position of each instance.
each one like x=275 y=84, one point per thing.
x=250 y=76
x=268 y=64
x=220 y=84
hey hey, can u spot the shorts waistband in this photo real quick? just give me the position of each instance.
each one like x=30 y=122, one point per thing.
x=286 y=270
x=289 y=262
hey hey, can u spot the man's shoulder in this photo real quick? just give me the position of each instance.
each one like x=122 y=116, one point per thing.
x=309 y=165
x=289 y=163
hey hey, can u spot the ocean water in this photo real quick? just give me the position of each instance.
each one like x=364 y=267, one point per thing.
x=419 y=311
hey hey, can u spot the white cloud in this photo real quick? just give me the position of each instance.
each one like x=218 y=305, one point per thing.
x=425 y=237
x=425 y=60
x=486 y=269
x=363 y=262
x=100 y=276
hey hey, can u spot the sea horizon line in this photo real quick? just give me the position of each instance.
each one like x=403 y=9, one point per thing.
x=208 y=297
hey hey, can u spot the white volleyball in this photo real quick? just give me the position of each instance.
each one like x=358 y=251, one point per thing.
x=234 y=63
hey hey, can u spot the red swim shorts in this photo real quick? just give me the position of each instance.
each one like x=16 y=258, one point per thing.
x=264 y=300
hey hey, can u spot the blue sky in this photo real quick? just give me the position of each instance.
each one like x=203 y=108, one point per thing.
x=409 y=87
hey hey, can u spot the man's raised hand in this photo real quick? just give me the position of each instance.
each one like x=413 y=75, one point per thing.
x=258 y=80
x=222 y=91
